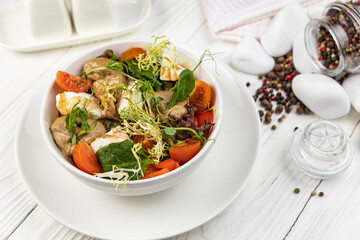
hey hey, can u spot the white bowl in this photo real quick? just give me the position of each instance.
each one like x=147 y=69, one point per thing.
x=49 y=113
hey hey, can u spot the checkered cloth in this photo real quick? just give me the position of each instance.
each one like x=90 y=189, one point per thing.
x=233 y=19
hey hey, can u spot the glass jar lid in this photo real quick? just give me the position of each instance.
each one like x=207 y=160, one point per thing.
x=322 y=150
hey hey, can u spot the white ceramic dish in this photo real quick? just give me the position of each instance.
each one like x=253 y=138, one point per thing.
x=203 y=195
x=15 y=31
x=91 y=16
x=49 y=113
x=43 y=15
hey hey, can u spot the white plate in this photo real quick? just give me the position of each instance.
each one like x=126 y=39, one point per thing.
x=15 y=28
x=200 y=197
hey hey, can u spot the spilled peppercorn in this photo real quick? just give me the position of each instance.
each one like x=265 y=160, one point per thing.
x=276 y=91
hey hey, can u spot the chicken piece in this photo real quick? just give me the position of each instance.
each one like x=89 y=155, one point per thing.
x=63 y=138
x=177 y=111
x=114 y=136
x=100 y=62
x=110 y=122
x=132 y=96
x=104 y=79
x=65 y=102
x=166 y=98
x=174 y=113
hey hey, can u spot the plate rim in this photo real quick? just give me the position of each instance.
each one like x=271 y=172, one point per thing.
x=198 y=223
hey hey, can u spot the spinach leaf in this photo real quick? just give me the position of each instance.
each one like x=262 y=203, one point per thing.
x=147 y=75
x=120 y=154
x=183 y=88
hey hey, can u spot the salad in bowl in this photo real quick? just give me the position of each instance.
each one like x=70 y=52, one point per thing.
x=139 y=115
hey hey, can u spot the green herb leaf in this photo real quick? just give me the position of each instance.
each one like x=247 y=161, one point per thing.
x=183 y=88
x=156 y=100
x=167 y=84
x=199 y=136
x=168 y=132
x=73 y=139
x=71 y=119
x=120 y=155
x=83 y=75
x=146 y=75
x=110 y=54
x=115 y=66
x=78 y=117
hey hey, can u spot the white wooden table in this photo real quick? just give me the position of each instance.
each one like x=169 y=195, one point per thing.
x=266 y=209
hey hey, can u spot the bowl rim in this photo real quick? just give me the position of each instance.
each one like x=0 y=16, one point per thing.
x=73 y=169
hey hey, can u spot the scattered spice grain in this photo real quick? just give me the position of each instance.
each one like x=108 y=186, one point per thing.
x=276 y=93
x=296 y=128
x=248 y=84
x=273 y=127
x=313 y=193
x=261 y=113
x=296 y=190
x=321 y=194
x=279 y=109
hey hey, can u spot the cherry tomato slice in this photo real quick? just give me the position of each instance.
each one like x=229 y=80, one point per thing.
x=201 y=96
x=170 y=164
x=131 y=54
x=185 y=151
x=71 y=83
x=146 y=144
x=161 y=168
x=157 y=173
x=204 y=117
x=151 y=168
x=85 y=158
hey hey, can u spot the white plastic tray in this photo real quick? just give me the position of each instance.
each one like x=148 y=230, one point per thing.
x=15 y=29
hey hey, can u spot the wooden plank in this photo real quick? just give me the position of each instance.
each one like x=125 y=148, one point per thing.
x=50 y=228
x=22 y=70
x=15 y=201
x=267 y=207
x=337 y=214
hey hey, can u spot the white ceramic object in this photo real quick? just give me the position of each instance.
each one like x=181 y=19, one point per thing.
x=250 y=57
x=278 y=38
x=315 y=11
x=201 y=196
x=301 y=58
x=49 y=113
x=352 y=88
x=49 y=20
x=15 y=31
x=93 y=16
x=322 y=95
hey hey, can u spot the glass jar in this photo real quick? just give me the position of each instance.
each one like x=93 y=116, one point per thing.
x=333 y=41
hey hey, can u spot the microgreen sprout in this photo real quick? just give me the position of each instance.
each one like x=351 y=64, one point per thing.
x=78 y=117
x=206 y=56
x=155 y=55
